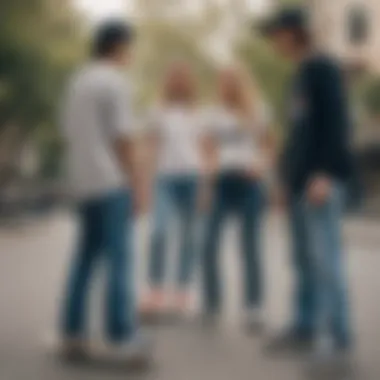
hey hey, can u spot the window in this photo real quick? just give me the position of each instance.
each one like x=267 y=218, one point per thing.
x=358 y=25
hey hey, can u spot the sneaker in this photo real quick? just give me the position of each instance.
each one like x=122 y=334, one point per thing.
x=182 y=302
x=253 y=320
x=72 y=348
x=289 y=342
x=180 y=309
x=323 y=348
x=330 y=362
x=209 y=319
x=75 y=349
x=136 y=353
x=326 y=349
x=153 y=307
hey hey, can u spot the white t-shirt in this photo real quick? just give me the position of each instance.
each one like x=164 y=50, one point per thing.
x=237 y=144
x=179 y=132
x=97 y=111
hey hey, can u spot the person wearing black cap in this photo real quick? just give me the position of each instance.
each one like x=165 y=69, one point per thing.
x=315 y=165
x=98 y=127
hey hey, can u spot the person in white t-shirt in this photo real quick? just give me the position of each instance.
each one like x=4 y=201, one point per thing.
x=238 y=137
x=98 y=129
x=176 y=126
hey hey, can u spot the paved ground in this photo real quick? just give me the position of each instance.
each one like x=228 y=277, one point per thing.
x=33 y=259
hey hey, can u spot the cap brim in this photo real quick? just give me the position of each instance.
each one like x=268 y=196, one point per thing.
x=266 y=28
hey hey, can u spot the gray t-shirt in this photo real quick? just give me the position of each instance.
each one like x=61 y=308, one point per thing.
x=96 y=112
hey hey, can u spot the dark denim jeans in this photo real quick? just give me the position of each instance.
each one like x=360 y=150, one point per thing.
x=236 y=195
x=321 y=303
x=105 y=233
x=174 y=195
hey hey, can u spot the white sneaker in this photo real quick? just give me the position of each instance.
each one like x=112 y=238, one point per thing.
x=254 y=320
x=137 y=352
x=68 y=347
x=208 y=319
x=327 y=361
x=323 y=348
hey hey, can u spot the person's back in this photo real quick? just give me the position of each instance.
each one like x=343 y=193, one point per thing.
x=89 y=129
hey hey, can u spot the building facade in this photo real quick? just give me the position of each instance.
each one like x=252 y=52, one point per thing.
x=350 y=29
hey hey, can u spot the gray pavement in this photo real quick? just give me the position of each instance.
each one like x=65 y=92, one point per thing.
x=33 y=261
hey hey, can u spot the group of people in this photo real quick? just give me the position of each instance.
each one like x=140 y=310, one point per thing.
x=215 y=161
x=210 y=162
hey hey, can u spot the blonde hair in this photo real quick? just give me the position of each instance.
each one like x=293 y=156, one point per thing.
x=248 y=100
x=168 y=94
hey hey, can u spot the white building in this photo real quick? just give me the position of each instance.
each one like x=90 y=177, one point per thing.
x=349 y=29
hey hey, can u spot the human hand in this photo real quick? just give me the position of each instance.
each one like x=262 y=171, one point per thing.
x=319 y=189
x=255 y=172
x=279 y=198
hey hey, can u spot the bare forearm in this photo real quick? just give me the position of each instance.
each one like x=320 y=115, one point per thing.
x=125 y=154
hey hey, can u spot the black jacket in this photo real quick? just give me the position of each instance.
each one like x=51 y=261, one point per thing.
x=319 y=123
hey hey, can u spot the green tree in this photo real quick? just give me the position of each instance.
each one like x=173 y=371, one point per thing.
x=39 y=43
x=270 y=71
x=371 y=96
x=163 y=38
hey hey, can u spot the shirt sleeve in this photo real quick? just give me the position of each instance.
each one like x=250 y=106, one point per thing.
x=328 y=114
x=121 y=121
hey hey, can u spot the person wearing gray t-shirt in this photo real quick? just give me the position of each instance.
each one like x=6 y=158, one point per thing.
x=97 y=128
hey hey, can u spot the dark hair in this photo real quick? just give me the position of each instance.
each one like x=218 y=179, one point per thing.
x=110 y=36
x=292 y=19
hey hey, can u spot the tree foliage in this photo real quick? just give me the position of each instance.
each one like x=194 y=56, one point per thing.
x=270 y=71
x=163 y=39
x=39 y=45
x=371 y=96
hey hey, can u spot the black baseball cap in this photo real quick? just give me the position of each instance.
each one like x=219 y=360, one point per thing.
x=110 y=34
x=289 y=18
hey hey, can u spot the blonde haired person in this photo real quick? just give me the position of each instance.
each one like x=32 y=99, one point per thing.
x=177 y=167
x=238 y=150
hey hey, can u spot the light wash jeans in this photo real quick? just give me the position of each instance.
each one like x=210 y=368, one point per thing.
x=105 y=236
x=174 y=196
x=321 y=304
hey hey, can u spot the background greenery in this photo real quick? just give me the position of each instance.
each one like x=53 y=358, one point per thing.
x=42 y=41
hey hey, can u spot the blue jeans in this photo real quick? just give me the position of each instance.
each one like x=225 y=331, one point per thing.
x=234 y=195
x=105 y=232
x=321 y=295
x=174 y=195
